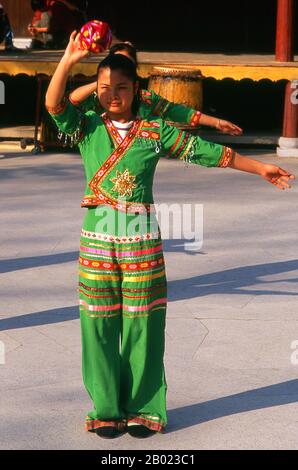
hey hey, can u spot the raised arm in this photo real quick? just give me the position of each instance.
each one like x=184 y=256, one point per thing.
x=68 y=118
x=81 y=93
x=56 y=89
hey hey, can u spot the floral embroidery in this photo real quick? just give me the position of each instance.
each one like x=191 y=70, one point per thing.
x=114 y=158
x=123 y=183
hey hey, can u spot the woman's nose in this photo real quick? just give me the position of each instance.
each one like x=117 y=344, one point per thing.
x=114 y=93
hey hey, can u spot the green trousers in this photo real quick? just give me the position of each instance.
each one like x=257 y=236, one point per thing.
x=123 y=298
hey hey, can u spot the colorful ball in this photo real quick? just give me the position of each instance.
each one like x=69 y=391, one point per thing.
x=95 y=36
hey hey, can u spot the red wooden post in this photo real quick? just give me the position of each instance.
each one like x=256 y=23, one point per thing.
x=285 y=31
x=290 y=125
x=288 y=143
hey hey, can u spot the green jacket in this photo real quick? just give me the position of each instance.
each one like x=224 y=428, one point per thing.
x=120 y=172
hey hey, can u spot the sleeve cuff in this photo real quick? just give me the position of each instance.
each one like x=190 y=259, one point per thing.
x=226 y=157
x=195 y=118
x=59 y=108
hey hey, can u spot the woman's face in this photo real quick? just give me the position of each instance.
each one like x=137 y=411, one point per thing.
x=115 y=92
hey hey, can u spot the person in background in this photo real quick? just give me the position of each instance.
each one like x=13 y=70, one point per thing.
x=39 y=27
x=6 y=34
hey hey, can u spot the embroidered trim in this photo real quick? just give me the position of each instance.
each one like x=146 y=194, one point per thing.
x=161 y=107
x=123 y=289
x=173 y=148
x=59 y=108
x=140 y=266
x=151 y=124
x=149 y=134
x=183 y=146
x=150 y=422
x=226 y=158
x=92 y=424
x=195 y=118
x=66 y=138
x=119 y=239
x=189 y=150
x=95 y=184
x=112 y=129
x=115 y=156
x=128 y=207
x=146 y=97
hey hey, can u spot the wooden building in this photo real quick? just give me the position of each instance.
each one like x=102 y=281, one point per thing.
x=245 y=49
x=243 y=27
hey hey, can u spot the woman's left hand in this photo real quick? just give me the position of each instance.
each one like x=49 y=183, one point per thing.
x=277 y=176
x=74 y=51
x=227 y=127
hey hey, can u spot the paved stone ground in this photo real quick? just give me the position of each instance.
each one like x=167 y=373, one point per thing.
x=232 y=314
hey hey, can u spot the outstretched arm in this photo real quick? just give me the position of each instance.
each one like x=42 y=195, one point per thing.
x=271 y=173
x=176 y=112
x=193 y=149
x=226 y=127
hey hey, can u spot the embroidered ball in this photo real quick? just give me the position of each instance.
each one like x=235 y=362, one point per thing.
x=95 y=36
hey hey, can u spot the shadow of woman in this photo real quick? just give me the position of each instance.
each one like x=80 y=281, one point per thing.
x=265 y=397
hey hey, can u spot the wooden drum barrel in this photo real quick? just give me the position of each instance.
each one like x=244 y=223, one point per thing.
x=178 y=84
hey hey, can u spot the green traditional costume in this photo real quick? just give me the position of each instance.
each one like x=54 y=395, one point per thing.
x=122 y=278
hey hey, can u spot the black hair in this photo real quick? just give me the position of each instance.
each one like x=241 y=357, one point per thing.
x=38 y=5
x=125 y=66
x=125 y=46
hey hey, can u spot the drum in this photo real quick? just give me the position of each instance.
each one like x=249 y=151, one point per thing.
x=178 y=84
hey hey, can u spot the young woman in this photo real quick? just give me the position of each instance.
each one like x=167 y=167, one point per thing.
x=122 y=278
x=152 y=104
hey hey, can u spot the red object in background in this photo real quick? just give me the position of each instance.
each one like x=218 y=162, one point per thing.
x=285 y=31
x=290 y=124
x=96 y=36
